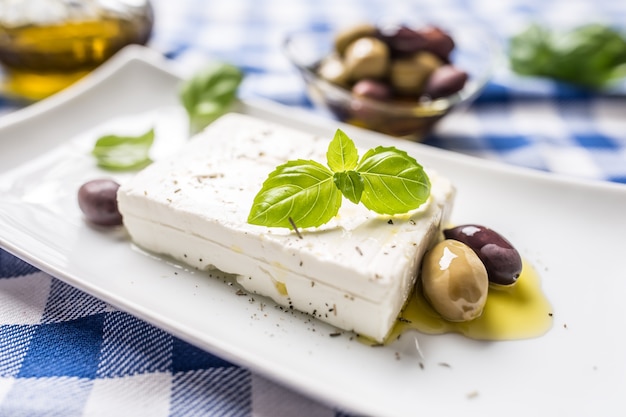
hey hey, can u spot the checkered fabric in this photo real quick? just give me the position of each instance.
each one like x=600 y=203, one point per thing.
x=65 y=353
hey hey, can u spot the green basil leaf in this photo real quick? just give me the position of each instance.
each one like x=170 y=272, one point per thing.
x=530 y=51
x=123 y=152
x=209 y=93
x=592 y=55
x=351 y=185
x=306 y=194
x=299 y=191
x=393 y=181
x=342 y=154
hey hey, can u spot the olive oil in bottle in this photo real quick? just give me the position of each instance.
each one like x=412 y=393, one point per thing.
x=43 y=49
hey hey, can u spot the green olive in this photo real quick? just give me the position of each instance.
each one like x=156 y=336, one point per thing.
x=454 y=281
x=345 y=37
x=333 y=69
x=409 y=75
x=367 y=58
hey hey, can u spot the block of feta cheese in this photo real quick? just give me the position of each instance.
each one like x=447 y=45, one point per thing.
x=355 y=272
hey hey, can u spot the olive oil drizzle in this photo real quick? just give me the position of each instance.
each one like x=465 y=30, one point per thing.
x=520 y=311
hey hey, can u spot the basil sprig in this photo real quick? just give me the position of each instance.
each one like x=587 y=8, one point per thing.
x=118 y=153
x=305 y=193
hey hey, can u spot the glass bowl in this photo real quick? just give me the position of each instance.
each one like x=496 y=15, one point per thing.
x=474 y=53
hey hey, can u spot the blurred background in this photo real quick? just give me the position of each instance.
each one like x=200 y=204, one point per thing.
x=502 y=122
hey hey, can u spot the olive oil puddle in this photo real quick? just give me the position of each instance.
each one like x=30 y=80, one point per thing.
x=521 y=311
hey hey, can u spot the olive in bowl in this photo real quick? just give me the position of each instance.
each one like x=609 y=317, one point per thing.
x=395 y=79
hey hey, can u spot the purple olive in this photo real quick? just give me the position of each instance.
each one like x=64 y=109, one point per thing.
x=98 y=201
x=437 y=41
x=444 y=81
x=402 y=40
x=373 y=89
x=501 y=259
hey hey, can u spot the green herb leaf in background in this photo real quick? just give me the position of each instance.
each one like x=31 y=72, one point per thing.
x=307 y=194
x=592 y=55
x=209 y=93
x=120 y=153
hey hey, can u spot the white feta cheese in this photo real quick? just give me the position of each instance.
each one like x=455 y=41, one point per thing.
x=355 y=272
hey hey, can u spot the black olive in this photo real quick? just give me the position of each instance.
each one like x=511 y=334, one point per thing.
x=98 y=201
x=501 y=259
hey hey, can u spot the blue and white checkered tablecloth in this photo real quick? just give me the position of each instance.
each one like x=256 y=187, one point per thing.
x=65 y=353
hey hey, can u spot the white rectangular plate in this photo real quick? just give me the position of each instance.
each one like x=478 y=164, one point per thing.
x=571 y=231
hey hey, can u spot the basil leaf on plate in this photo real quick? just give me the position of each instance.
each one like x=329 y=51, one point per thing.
x=209 y=93
x=120 y=153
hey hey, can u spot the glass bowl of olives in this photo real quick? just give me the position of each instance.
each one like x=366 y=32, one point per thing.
x=395 y=79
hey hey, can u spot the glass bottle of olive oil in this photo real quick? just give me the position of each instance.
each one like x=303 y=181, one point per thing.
x=47 y=45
